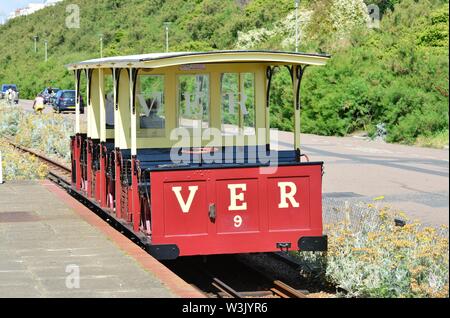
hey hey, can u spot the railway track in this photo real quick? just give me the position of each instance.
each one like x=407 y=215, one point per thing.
x=279 y=290
x=58 y=172
x=226 y=276
x=265 y=287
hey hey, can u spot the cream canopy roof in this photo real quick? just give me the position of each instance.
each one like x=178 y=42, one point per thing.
x=157 y=60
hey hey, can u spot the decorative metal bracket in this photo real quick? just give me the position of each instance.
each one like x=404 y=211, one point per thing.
x=299 y=74
x=291 y=71
x=78 y=79
x=89 y=78
x=269 y=73
x=116 y=76
x=133 y=77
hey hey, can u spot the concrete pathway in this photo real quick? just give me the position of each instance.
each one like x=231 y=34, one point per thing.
x=44 y=242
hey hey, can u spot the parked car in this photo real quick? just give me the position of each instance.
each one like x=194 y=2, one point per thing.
x=5 y=87
x=64 y=100
x=49 y=95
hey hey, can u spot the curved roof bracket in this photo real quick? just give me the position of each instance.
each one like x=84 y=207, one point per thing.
x=116 y=76
x=300 y=70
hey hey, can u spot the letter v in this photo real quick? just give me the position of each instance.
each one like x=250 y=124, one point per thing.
x=185 y=206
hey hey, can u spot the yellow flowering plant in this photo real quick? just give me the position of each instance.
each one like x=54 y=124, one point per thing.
x=370 y=256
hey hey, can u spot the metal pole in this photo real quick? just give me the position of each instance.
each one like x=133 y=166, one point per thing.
x=101 y=45
x=167 y=39
x=46 y=47
x=35 y=43
x=296 y=24
x=166 y=25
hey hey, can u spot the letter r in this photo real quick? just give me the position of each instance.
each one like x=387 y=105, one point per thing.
x=284 y=195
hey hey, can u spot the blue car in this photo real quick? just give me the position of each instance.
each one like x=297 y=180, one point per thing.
x=5 y=87
x=64 y=100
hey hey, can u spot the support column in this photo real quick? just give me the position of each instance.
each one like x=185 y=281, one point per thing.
x=133 y=117
x=269 y=73
x=94 y=107
x=102 y=155
x=102 y=108
x=296 y=85
x=135 y=206
x=297 y=76
x=122 y=113
x=77 y=101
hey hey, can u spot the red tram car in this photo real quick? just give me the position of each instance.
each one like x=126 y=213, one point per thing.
x=177 y=148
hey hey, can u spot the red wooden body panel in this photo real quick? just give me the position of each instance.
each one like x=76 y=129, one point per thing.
x=77 y=156
x=130 y=204
x=118 y=185
x=75 y=161
x=102 y=179
x=249 y=217
x=135 y=204
x=97 y=185
x=89 y=175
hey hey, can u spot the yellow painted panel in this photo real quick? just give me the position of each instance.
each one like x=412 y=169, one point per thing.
x=102 y=109
x=94 y=107
x=122 y=116
x=110 y=133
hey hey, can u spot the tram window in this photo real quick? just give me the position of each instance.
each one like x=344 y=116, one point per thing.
x=109 y=101
x=238 y=103
x=230 y=115
x=150 y=98
x=248 y=80
x=83 y=99
x=193 y=101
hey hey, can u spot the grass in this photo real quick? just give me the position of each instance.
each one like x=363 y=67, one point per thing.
x=19 y=166
x=49 y=133
x=438 y=140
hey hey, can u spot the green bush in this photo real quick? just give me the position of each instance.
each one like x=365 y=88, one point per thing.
x=396 y=75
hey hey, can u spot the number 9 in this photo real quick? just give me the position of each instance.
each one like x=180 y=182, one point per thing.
x=237 y=221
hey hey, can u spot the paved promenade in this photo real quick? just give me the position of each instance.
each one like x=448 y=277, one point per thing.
x=47 y=239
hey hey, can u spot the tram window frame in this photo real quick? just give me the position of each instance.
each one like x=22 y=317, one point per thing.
x=149 y=132
x=240 y=118
x=205 y=122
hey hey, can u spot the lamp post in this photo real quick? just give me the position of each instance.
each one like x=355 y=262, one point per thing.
x=46 y=48
x=166 y=26
x=35 y=43
x=2 y=18
x=101 y=44
x=297 y=2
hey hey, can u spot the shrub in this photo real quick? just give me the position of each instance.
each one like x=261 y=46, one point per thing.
x=369 y=256
x=19 y=166
x=47 y=133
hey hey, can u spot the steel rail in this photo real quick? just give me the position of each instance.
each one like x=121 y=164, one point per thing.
x=226 y=289
x=40 y=156
x=285 y=291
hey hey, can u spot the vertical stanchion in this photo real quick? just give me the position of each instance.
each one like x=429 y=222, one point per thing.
x=1 y=169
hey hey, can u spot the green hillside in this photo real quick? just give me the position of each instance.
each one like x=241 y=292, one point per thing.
x=396 y=74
